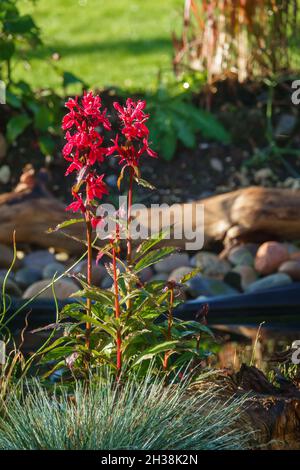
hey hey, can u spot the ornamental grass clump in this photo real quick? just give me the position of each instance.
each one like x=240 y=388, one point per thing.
x=117 y=327
x=142 y=415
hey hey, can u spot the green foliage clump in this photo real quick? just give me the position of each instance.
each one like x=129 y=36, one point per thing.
x=143 y=415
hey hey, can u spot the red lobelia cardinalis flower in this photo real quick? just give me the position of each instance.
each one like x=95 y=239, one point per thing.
x=135 y=134
x=84 y=147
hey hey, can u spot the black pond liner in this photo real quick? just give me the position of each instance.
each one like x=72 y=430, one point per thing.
x=276 y=306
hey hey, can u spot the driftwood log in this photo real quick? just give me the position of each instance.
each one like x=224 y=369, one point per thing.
x=250 y=214
x=272 y=412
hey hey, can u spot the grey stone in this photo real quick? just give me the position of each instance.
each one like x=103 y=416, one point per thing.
x=200 y=285
x=107 y=282
x=63 y=289
x=176 y=260
x=263 y=175
x=216 y=164
x=11 y=288
x=6 y=256
x=146 y=274
x=52 y=268
x=5 y=174
x=177 y=274
x=240 y=255
x=268 y=282
x=98 y=271
x=210 y=264
x=292 y=268
x=286 y=125
x=38 y=259
x=25 y=277
x=160 y=277
x=247 y=274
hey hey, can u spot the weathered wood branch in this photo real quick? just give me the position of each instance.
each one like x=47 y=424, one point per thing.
x=273 y=413
x=251 y=214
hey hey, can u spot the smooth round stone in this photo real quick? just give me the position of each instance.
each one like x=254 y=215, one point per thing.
x=107 y=282
x=3 y=273
x=6 y=256
x=268 y=282
x=176 y=260
x=63 y=289
x=53 y=268
x=146 y=274
x=200 y=285
x=295 y=256
x=11 y=288
x=38 y=259
x=247 y=275
x=291 y=248
x=270 y=256
x=210 y=264
x=160 y=277
x=98 y=271
x=241 y=255
x=292 y=268
x=27 y=276
x=177 y=274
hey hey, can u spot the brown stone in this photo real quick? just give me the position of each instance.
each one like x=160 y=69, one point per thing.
x=292 y=268
x=270 y=256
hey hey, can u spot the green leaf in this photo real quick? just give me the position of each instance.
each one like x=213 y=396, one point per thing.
x=65 y=224
x=147 y=245
x=185 y=133
x=153 y=257
x=43 y=118
x=57 y=353
x=70 y=79
x=20 y=25
x=7 y=49
x=209 y=126
x=154 y=350
x=16 y=126
x=168 y=143
x=198 y=327
x=83 y=318
x=47 y=145
x=96 y=294
x=13 y=100
x=190 y=275
x=144 y=183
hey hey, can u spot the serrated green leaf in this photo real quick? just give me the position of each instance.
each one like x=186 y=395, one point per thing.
x=196 y=326
x=153 y=257
x=154 y=350
x=147 y=245
x=65 y=224
x=144 y=183
x=96 y=294
x=190 y=275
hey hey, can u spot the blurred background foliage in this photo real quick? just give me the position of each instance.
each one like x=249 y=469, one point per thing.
x=52 y=49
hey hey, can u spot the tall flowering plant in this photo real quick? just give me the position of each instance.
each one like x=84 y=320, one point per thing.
x=84 y=148
x=121 y=324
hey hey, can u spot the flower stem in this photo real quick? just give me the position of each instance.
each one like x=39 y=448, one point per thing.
x=117 y=312
x=129 y=241
x=89 y=275
x=170 y=324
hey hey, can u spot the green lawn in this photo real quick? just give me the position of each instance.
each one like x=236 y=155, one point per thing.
x=105 y=42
